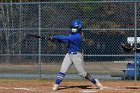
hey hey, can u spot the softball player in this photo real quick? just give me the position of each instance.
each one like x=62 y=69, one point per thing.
x=73 y=56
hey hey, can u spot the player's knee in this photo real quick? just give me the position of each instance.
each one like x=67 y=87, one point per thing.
x=63 y=70
x=83 y=74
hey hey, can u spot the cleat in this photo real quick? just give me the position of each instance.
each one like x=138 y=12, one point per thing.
x=55 y=87
x=98 y=84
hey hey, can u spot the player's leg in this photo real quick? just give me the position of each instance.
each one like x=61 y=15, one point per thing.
x=64 y=67
x=79 y=65
x=94 y=81
x=77 y=60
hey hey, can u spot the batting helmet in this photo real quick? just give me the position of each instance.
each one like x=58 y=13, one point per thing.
x=76 y=25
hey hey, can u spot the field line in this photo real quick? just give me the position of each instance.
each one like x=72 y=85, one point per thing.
x=26 y=89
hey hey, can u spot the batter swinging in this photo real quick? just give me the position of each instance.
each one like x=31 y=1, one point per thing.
x=74 y=55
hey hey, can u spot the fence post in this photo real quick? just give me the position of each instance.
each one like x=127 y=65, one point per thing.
x=135 y=41
x=39 y=46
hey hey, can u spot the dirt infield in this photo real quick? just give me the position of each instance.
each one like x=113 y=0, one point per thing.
x=44 y=86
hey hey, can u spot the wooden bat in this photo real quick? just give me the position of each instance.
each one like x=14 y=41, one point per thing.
x=36 y=36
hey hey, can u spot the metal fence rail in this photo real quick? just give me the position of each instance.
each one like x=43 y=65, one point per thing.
x=107 y=24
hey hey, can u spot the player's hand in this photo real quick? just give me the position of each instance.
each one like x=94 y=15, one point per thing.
x=52 y=39
x=127 y=47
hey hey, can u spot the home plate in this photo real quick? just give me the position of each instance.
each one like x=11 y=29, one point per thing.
x=133 y=87
x=88 y=91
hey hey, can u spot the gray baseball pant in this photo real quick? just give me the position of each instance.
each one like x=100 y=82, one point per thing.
x=77 y=61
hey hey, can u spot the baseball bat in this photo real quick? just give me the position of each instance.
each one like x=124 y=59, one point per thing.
x=42 y=37
x=36 y=36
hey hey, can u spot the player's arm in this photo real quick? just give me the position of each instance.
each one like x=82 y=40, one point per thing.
x=136 y=50
x=61 y=38
x=129 y=48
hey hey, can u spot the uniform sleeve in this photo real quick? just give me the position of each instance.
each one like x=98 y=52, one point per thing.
x=62 y=38
x=138 y=50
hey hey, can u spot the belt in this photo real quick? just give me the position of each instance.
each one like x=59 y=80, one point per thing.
x=73 y=52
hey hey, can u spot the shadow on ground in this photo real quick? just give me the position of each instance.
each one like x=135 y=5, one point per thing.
x=81 y=87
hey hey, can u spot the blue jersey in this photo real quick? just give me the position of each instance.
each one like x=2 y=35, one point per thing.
x=74 y=41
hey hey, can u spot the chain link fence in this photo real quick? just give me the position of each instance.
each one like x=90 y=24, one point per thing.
x=106 y=24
